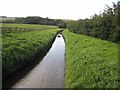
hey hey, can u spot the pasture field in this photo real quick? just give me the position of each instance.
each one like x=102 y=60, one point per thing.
x=90 y=62
x=21 y=46
x=18 y=28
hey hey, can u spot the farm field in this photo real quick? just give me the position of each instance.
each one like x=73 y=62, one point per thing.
x=19 y=46
x=8 y=28
x=90 y=62
x=74 y=46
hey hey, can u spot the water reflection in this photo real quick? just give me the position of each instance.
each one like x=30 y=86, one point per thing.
x=49 y=73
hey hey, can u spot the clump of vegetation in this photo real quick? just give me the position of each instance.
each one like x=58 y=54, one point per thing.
x=20 y=47
x=104 y=26
x=34 y=20
x=90 y=62
x=39 y=20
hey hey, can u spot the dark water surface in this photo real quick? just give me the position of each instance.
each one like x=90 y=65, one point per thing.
x=49 y=73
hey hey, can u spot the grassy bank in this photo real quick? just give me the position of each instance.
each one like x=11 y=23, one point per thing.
x=19 y=48
x=90 y=62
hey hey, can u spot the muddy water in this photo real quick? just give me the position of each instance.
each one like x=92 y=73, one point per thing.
x=49 y=73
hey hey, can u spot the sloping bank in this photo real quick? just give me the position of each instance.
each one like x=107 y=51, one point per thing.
x=22 y=49
x=90 y=62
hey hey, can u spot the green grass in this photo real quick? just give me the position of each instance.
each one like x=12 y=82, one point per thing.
x=14 y=28
x=90 y=62
x=18 y=47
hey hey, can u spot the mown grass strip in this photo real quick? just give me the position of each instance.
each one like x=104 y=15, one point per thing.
x=90 y=62
x=18 y=47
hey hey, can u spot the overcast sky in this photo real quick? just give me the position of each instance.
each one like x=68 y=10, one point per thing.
x=57 y=9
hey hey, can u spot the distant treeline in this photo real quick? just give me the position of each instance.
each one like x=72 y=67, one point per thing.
x=36 y=20
x=104 y=26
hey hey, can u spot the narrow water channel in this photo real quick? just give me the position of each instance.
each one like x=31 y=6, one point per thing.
x=49 y=73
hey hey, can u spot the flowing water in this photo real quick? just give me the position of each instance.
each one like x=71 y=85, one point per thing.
x=49 y=73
